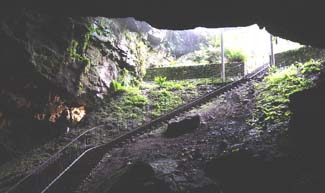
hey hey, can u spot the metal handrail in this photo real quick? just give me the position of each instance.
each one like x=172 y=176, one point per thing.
x=159 y=119
x=54 y=158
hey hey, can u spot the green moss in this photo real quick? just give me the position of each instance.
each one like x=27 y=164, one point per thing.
x=274 y=91
x=117 y=87
x=136 y=100
x=164 y=100
x=127 y=105
x=75 y=56
x=87 y=37
x=77 y=49
x=173 y=85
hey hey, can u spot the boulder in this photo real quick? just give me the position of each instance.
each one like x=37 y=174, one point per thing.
x=180 y=127
x=142 y=177
x=137 y=177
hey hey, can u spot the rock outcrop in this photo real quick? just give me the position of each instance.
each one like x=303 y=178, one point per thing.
x=138 y=177
x=179 y=127
x=51 y=64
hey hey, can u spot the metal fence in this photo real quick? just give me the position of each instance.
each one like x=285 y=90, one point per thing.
x=48 y=172
x=44 y=174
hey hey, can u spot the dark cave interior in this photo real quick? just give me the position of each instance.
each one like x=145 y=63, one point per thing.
x=297 y=21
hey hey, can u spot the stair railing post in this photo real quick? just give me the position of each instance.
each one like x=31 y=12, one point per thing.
x=100 y=136
x=223 y=74
x=272 y=58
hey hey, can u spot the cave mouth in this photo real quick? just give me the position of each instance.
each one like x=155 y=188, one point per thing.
x=62 y=48
x=200 y=45
x=105 y=62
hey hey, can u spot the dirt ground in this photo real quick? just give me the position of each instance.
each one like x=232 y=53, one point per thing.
x=181 y=163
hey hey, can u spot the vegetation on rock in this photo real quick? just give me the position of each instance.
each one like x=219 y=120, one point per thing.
x=300 y=55
x=117 y=87
x=274 y=91
x=163 y=101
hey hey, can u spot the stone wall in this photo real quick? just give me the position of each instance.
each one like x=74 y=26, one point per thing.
x=197 y=71
x=302 y=55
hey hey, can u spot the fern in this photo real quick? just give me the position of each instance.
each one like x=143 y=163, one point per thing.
x=118 y=87
x=159 y=80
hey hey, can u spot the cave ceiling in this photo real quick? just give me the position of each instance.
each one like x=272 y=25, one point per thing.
x=300 y=21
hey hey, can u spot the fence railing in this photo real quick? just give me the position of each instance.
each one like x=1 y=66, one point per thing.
x=39 y=178
x=44 y=174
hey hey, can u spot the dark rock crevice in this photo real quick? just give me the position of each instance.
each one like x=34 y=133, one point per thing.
x=306 y=129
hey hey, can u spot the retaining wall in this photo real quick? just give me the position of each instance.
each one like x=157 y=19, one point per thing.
x=192 y=72
x=302 y=55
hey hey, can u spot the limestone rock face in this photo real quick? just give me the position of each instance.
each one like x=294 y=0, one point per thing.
x=49 y=64
x=101 y=72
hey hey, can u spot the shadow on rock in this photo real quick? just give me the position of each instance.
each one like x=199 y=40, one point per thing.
x=241 y=172
x=138 y=178
x=180 y=127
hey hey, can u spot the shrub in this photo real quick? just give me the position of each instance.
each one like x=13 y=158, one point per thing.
x=235 y=55
x=309 y=67
x=273 y=69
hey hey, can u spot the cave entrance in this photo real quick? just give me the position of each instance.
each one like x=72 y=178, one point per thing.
x=174 y=53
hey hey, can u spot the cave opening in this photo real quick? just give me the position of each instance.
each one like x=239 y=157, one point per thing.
x=117 y=75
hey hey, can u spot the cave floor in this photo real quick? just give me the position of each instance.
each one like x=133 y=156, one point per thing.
x=181 y=162
x=13 y=171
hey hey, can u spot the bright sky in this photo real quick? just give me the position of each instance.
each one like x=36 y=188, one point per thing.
x=250 y=38
x=253 y=41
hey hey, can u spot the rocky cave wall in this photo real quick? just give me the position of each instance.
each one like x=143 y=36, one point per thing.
x=50 y=64
x=34 y=50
